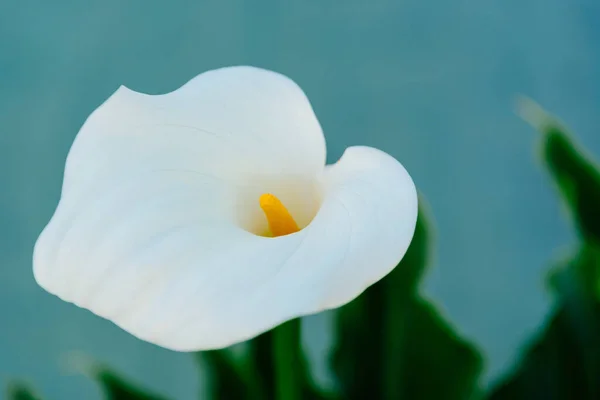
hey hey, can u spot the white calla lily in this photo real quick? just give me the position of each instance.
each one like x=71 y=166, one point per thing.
x=168 y=203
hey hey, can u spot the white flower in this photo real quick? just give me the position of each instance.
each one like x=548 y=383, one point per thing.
x=168 y=202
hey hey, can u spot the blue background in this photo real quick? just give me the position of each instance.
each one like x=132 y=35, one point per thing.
x=431 y=82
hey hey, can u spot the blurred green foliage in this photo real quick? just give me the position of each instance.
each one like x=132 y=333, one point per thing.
x=274 y=367
x=563 y=362
x=20 y=391
x=116 y=387
x=392 y=343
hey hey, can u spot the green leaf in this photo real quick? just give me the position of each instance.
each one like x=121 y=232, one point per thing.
x=399 y=289
x=274 y=367
x=115 y=387
x=290 y=366
x=438 y=364
x=226 y=378
x=20 y=391
x=358 y=357
x=578 y=274
x=279 y=358
x=562 y=363
x=393 y=345
x=575 y=174
x=577 y=178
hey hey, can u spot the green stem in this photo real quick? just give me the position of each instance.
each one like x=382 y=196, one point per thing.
x=397 y=305
x=287 y=361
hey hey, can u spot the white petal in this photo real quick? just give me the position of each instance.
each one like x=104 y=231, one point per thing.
x=147 y=232
x=233 y=123
x=240 y=125
x=361 y=232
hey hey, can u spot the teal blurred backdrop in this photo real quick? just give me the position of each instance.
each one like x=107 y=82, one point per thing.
x=432 y=82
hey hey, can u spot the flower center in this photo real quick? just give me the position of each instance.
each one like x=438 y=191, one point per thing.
x=280 y=220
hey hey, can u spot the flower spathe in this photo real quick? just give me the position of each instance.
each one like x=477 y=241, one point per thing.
x=206 y=216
